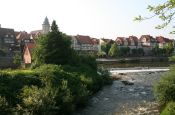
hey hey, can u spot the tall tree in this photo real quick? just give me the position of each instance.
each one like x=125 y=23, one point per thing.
x=54 y=48
x=164 y=11
x=113 y=50
x=105 y=47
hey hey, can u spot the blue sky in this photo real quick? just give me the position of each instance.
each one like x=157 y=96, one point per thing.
x=96 y=18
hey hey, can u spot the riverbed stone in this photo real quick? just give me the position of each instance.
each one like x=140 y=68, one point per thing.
x=120 y=99
x=127 y=82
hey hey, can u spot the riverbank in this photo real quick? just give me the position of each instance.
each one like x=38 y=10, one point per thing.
x=130 y=59
x=120 y=98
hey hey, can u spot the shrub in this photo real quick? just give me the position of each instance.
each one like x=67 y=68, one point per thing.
x=11 y=83
x=39 y=100
x=4 y=107
x=172 y=58
x=164 y=90
x=50 y=89
x=2 y=53
x=72 y=91
x=169 y=109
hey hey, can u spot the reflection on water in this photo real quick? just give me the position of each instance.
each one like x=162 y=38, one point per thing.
x=139 y=64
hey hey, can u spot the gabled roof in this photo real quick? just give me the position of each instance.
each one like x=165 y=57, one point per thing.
x=95 y=41
x=35 y=33
x=30 y=46
x=134 y=38
x=23 y=35
x=120 y=40
x=161 y=39
x=16 y=33
x=148 y=38
x=84 y=39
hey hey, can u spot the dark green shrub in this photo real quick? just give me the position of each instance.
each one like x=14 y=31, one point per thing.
x=169 y=109
x=4 y=107
x=72 y=91
x=2 y=53
x=11 y=84
x=50 y=89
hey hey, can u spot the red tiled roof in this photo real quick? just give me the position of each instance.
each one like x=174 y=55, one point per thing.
x=30 y=45
x=84 y=39
x=161 y=39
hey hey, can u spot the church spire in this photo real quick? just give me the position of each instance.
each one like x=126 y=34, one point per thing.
x=46 y=21
x=46 y=26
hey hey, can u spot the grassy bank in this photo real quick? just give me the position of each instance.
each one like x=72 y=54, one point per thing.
x=164 y=91
x=48 y=89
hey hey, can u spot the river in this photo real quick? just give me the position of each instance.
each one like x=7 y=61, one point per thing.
x=122 y=99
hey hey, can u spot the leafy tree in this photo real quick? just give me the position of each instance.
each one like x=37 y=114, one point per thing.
x=156 y=50
x=124 y=51
x=169 y=48
x=54 y=48
x=105 y=47
x=2 y=53
x=134 y=52
x=113 y=50
x=140 y=51
x=17 y=59
x=164 y=11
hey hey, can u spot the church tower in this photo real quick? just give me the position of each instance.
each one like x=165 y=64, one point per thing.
x=45 y=26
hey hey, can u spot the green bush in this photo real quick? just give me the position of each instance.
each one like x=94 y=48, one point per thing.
x=164 y=90
x=11 y=83
x=172 y=58
x=4 y=107
x=2 y=53
x=50 y=89
x=73 y=86
x=169 y=109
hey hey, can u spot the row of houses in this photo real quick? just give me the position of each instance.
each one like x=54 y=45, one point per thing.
x=90 y=45
x=12 y=42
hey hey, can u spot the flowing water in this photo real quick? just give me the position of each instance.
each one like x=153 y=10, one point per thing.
x=122 y=99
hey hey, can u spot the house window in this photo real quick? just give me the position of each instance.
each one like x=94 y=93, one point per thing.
x=12 y=36
x=27 y=41
x=6 y=35
x=8 y=40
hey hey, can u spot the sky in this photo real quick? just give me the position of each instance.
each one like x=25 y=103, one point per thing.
x=96 y=18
